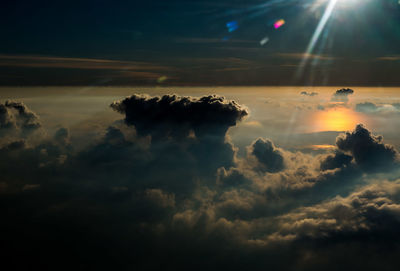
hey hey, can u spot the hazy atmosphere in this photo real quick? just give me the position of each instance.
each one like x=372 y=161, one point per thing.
x=198 y=135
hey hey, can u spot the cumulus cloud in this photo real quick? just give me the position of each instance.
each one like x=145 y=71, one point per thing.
x=310 y=94
x=337 y=160
x=366 y=107
x=269 y=157
x=292 y=177
x=368 y=150
x=341 y=95
x=17 y=120
x=172 y=115
x=369 y=107
x=185 y=131
x=360 y=211
x=166 y=185
x=62 y=137
x=160 y=198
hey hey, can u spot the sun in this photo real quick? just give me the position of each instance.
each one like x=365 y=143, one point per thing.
x=336 y=119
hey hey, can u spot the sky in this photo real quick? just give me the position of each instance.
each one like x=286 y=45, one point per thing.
x=199 y=43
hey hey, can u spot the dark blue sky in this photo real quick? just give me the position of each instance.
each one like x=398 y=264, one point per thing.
x=188 y=43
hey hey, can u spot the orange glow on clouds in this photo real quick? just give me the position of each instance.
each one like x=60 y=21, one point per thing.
x=322 y=147
x=335 y=119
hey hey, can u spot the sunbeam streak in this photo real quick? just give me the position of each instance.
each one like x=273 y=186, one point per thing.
x=317 y=33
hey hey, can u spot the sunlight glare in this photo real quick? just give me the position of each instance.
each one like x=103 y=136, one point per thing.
x=335 y=119
x=317 y=33
x=347 y=3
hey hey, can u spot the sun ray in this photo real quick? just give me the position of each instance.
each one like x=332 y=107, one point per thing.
x=317 y=33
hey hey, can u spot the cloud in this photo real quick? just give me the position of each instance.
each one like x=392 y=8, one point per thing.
x=62 y=136
x=336 y=160
x=389 y=58
x=91 y=70
x=305 y=55
x=31 y=61
x=368 y=150
x=17 y=120
x=269 y=157
x=311 y=94
x=160 y=198
x=172 y=115
x=370 y=108
x=362 y=211
x=295 y=178
x=366 y=107
x=212 y=41
x=341 y=95
x=165 y=184
x=396 y=105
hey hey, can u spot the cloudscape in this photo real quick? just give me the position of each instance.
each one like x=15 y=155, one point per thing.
x=191 y=135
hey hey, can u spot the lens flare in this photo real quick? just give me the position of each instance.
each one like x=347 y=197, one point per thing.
x=279 y=23
x=264 y=41
x=232 y=26
x=162 y=79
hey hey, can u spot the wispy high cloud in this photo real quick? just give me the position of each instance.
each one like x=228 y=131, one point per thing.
x=305 y=55
x=213 y=40
x=389 y=58
x=32 y=61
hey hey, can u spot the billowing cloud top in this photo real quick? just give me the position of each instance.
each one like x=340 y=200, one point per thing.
x=17 y=120
x=269 y=157
x=368 y=150
x=344 y=92
x=185 y=113
x=341 y=95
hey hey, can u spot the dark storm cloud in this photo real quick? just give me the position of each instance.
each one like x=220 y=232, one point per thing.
x=344 y=92
x=368 y=150
x=171 y=114
x=184 y=136
x=341 y=95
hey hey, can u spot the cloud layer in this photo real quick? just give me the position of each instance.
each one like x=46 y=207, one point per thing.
x=165 y=187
